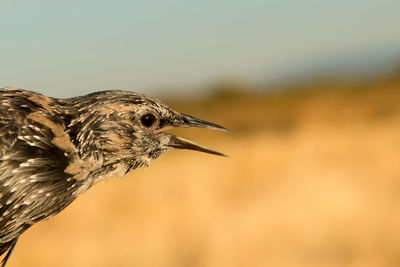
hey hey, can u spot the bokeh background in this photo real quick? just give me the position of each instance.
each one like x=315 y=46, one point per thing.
x=309 y=89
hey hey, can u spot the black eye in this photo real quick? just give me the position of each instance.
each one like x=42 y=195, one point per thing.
x=148 y=120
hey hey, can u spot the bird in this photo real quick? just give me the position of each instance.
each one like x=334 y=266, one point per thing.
x=54 y=149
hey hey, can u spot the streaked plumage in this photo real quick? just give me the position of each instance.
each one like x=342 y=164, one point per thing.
x=52 y=150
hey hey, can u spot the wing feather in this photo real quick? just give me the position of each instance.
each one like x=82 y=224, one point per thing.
x=31 y=163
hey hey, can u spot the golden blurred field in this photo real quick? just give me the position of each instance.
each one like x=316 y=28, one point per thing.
x=313 y=179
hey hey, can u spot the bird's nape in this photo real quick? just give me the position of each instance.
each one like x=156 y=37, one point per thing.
x=52 y=150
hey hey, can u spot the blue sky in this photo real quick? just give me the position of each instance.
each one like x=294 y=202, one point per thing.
x=67 y=48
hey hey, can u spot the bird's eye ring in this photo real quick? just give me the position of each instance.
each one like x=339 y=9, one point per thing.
x=148 y=120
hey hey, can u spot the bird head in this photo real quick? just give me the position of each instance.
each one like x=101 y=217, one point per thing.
x=129 y=128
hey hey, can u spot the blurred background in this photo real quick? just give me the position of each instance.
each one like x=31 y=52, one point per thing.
x=309 y=89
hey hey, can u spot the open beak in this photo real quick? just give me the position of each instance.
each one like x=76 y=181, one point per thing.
x=190 y=121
